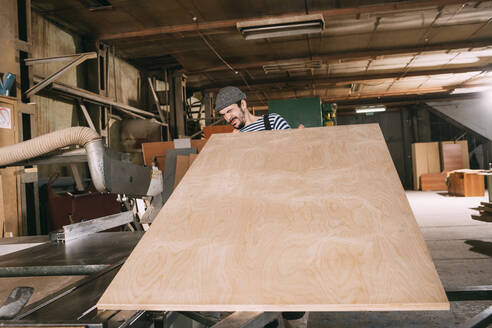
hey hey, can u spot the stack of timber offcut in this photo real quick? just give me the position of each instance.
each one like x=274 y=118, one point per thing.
x=485 y=212
x=292 y=220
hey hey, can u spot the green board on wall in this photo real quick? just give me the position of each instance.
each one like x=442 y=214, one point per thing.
x=296 y=111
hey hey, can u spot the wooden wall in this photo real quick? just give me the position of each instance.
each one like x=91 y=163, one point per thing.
x=10 y=222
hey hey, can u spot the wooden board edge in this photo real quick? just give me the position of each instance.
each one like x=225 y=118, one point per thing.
x=437 y=306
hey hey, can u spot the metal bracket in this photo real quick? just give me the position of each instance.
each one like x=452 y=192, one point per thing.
x=81 y=229
x=44 y=83
x=33 y=61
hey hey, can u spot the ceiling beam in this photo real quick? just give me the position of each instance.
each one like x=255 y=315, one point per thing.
x=355 y=54
x=373 y=97
x=203 y=26
x=332 y=80
x=404 y=99
x=347 y=104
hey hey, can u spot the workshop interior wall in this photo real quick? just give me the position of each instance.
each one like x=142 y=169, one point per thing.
x=9 y=62
x=408 y=124
x=124 y=86
x=9 y=55
x=49 y=40
x=124 y=83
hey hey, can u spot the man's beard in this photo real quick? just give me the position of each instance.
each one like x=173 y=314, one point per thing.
x=240 y=126
x=241 y=123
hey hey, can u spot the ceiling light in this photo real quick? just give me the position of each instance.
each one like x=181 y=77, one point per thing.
x=471 y=89
x=370 y=109
x=283 y=26
x=293 y=66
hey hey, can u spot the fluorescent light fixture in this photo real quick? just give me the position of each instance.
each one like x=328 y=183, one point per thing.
x=370 y=109
x=283 y=26
x=293 y=66
x=471 y=90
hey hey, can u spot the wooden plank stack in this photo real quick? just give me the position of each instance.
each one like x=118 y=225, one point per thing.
x=485 y=212
x=293 y=220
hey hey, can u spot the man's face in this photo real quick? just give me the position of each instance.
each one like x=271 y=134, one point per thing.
x=234 y=115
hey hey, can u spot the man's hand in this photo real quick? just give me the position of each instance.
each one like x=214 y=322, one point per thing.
x=235 y=131
x=301 y=126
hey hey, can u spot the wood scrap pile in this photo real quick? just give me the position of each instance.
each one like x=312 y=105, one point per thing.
x=485 y=212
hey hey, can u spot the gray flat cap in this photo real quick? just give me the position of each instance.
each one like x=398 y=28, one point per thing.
x=228 y=96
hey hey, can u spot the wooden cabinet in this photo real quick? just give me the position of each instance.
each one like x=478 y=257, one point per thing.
x=466 y=184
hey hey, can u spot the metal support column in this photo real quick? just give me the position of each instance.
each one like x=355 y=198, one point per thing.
x=102 y=83
x=207 y=102
x=179 y=84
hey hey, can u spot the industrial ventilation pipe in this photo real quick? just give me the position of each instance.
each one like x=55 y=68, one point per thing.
x=86 y=137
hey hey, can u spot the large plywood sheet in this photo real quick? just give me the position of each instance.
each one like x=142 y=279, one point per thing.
x=293 y=220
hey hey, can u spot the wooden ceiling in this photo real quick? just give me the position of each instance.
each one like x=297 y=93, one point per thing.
x=368 y=49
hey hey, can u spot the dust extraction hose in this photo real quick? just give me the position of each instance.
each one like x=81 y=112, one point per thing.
x=46 y=143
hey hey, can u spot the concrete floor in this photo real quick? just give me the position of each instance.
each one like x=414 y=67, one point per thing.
x=462 y=252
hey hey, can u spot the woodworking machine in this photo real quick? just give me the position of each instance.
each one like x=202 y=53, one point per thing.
x=56 y=280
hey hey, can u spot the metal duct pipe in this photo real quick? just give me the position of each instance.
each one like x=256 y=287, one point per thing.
x=95 y=158
x=47 y=143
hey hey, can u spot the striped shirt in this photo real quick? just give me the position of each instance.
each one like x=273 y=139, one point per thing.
x=277 y=122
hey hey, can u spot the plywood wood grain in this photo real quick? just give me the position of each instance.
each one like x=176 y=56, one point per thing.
x=433 y=181
x=293 y=220
x=466 y=184
x=451 y=157
x=425 y=157
x=465 y=156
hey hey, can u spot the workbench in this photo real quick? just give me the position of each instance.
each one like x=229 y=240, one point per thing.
x=76 y=274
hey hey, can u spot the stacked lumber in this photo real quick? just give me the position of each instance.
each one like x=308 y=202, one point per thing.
x=485 y=212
